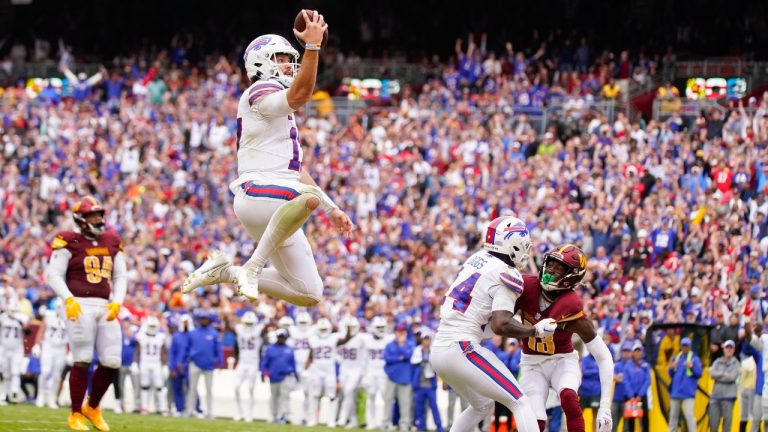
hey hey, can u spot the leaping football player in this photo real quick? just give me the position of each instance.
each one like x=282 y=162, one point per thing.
x=274 y=193
x=551 y=361
x=87 y=270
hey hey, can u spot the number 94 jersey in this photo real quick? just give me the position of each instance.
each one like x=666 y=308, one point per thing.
x=89 y=271
x=566 y=307
x=484 y=284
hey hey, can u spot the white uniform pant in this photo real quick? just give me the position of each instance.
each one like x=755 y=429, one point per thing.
x=246 y=375
x=322 y=383
x=537 y=375
x=481 y=378
x=93 y=329
x=153 y=382
x=350 y=381
x=52 y=363
x=375 y=382
x=10 y=365
x=294 y=276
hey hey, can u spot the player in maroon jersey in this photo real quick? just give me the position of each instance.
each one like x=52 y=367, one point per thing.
x=551 y=361
x=87 y=270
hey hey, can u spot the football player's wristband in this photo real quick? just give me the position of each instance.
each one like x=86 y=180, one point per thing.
x=311 y=47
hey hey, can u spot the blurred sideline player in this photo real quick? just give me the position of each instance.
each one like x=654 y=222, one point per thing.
x=86 y=266
x=178 y=365
x=375 y=379
x=352 y=366
x=249 y=341
x=12 y=324
x=299 y=339
x=551 y=361
x=484 y=293
x=321 y=367
x=51 y=345
x=153 y=370
x=274 y=196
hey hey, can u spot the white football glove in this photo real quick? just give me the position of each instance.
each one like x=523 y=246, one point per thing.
x=166 y=372
x=545 y=328
x=134 y=368
x=36 y=351
x=604 y=421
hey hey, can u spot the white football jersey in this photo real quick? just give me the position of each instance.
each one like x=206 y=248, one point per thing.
x=299 y=341
x=353 y=354
x=374 y=348
x=267 y=136
x=324 y=353
x=484 y=284
x=55 y=336
x=151 y=347
x=12 y=331
x=249 y=343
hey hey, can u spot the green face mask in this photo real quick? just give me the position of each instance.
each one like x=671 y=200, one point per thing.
x=547 y=278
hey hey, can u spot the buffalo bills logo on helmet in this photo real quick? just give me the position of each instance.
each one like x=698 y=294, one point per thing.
x=516 y=229
x=257 y=44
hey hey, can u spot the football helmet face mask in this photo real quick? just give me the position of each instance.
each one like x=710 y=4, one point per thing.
x=82 y=213
x=563 y=268
x=378 y=326
x=152 y=325
x=285 y=322
x=353 y=325
x=260 y=59
x=249 y=319
x=303 y=320
x=323 y=328
x=509 y=236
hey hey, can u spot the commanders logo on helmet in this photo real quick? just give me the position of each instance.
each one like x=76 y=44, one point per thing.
x=563 y=268
x=87 y=207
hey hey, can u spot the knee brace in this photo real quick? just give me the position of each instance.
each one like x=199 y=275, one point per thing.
x=569 y=401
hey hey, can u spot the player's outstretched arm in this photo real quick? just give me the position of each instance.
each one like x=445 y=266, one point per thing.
x=304 y=83
x=503 y=323
x=595 y=345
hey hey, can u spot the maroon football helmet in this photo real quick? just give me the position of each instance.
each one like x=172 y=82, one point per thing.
x=87 y=207
x=563 y=268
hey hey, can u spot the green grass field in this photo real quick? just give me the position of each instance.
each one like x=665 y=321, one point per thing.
x=30 y=418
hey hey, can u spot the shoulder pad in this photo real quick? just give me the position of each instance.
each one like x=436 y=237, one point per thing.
x=567 y=307
x=512 y=279
x=262 y=88
x=62 y=239
x=111 y=237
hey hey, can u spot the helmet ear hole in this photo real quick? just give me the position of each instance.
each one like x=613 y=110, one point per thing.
x=517 y=249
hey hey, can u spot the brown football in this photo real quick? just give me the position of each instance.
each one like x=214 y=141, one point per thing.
x=299 y=24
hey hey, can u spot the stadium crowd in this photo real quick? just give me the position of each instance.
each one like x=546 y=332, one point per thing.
x=673 y=215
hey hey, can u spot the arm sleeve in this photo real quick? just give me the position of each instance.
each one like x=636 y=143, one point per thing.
x=416 y=357
x=269 y=102
x=56 y=272
x=390 y=354
x=715 y=371
x=119 y=278
x=503 y=298
x=600 y=352
x=696 y=369
x=646 y=382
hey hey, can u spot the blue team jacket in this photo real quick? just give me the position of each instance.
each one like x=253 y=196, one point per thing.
x=637 y=378
x=204 y=348
x=179 y=346
x=129 y=348
x=619 y=392
x=684 y=386
x=397 y=362
x=278 y=362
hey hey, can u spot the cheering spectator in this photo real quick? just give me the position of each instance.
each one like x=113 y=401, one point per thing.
x=685 y=370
